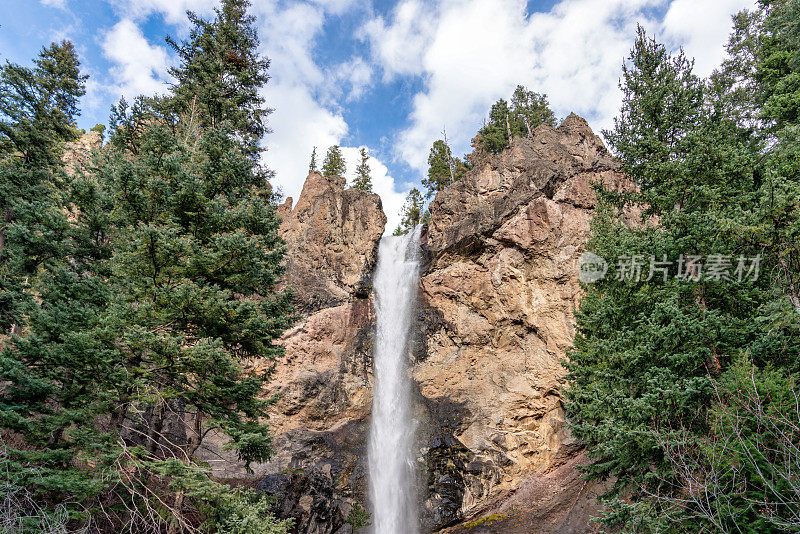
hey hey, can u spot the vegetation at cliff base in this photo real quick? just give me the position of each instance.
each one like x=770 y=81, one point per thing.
x=136 y=296
x=683 y=381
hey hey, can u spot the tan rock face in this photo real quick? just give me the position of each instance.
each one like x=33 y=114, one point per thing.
x=332 y=235
x=78 y=154
x=495 y=318
x=498 y=299
x=323 y=384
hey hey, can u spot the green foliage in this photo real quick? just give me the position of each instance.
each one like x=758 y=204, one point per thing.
x=312 y=166
x=653 y=358
x=195 y=267
x=334 y=164
x=443 y=168
x=412 y=212
x=155 y=283
x=243 y=511
x=220 y=75
x=363 y=181
x=37 y=111
x=99 y=128
x=527 y=111
x=493 y=136
x=358 y=517
x=742 y=475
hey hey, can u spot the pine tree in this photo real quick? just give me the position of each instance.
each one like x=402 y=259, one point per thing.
x=494 y=134
x=441 y=171
x=156 y=287
x=312 y=166
x=529 y=110
x=220 y=75
x=777 y=79
x=38 y=107
x=57 y=372
x=334 y=164
x=648 y=351
x=412 y=212
x=363 y=181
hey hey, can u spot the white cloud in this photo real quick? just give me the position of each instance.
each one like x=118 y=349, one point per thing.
x=139 y=67
x=399 y=45
x=336 y=7
x=60 y=4
x=702 y=28
x=288 y=35
x=350 y=79
x=472 y=52
x=173 y=11
x=299 y=124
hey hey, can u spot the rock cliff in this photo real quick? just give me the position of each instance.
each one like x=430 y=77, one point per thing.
x=495 y=318
x=322 y=386
x=78 y=154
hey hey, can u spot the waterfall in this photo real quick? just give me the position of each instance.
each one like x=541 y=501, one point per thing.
x=391 y=441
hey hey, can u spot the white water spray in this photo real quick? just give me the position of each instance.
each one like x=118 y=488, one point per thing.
x=391 y=441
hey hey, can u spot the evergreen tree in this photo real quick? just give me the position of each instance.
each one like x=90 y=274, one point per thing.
x=777 y=78
x=494 y=134
x=57 y=372
x=333 y=164
x=412 y=212
x=195 y=268
x=648 y=349
x=221 y=73
x=363 y=181
x=312 y=167
x=38 y=107
x=529 y=110
x=156 y=285
x=441 y=168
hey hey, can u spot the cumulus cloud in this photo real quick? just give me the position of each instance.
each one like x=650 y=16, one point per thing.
x=350 y=79
x=60 y=4
x=173 y=11
x=300 y=121
x=472 y=52
x=299 y=124
x=399 y=45
x=336 y=7
x=702 y=28
x=138 y=66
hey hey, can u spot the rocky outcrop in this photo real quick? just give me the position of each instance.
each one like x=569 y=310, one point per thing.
x=557 y=501
x=497 y=312
x=332 y=236
x=323 y=385
x=78 y=154
x=495 y=318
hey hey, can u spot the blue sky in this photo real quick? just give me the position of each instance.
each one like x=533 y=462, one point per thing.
x=388 y=75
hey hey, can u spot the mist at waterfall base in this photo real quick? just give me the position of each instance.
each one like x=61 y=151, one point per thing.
x=391 y=441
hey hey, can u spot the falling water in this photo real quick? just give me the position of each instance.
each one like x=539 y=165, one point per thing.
x=391 y=462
